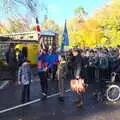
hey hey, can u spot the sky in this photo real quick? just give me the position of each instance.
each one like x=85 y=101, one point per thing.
x=59 y=10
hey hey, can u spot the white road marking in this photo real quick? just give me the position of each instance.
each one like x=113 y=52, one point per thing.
x=28 y=103
x=3 y=85
x=7 y=82
x=36 y=80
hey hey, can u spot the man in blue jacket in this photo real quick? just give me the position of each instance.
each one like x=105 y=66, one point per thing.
x=52 y=60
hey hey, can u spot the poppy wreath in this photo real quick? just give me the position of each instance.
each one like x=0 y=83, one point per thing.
x=78 y=86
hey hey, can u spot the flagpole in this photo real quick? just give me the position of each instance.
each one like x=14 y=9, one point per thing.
x=40 y=39
x=65 y=40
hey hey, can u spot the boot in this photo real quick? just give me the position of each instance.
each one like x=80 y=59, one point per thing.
x=79 y=104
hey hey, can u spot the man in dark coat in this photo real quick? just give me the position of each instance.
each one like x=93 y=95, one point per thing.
x=116 y=67
x=25 y=52
x=77 y=66
x=77 y=63
x=12 y=62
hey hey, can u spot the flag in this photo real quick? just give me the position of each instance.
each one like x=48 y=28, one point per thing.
x=42 y=44
x=37 y=25
x=65 y=41
x=41 y=41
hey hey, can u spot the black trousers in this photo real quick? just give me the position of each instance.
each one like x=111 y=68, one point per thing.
x=102 y=80
x=13 y=73
x=54 y=71
x=80 y=98
x=43 y=82
x=26 y=93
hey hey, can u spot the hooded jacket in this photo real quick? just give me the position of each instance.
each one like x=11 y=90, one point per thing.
x=25 y=74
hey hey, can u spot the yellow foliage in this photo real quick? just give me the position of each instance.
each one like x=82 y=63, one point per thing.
x=102 y=29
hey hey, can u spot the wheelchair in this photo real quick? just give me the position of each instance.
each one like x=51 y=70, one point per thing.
x=111 y=90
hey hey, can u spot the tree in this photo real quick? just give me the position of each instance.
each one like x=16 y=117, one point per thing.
x=14 y=9
x=109 y=22
x=35 y=8
x=80 y=12
x=49 y=24
x=101 y=29
x=74 y=28
x=2 y=28
x=74 y=31
x=17 y=25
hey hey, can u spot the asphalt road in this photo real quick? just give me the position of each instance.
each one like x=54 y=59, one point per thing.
x=52 y=109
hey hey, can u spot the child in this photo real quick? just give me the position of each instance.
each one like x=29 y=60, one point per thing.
x=24 y=78
x=61 y=72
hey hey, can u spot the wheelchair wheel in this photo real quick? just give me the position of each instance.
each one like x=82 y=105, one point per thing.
x=113 y=93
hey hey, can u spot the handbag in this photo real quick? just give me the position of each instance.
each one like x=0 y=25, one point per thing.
x=78 y=85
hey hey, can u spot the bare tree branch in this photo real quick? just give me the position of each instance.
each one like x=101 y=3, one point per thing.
x=13 y=7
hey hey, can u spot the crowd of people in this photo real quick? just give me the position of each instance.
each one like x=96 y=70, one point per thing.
x=93 y=65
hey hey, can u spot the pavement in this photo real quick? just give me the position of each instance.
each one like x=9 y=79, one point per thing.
x=52 y=109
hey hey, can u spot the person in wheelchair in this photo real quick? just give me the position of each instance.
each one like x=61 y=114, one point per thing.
x=112 y=90
x=116 y=68
x=103 y=66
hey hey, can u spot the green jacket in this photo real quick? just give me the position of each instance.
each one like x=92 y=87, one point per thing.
x=62 y=70
x=103 y=63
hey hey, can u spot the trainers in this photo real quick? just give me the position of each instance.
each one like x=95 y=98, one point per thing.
x=44 y=96
x=61 y=99
x=79 y=105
